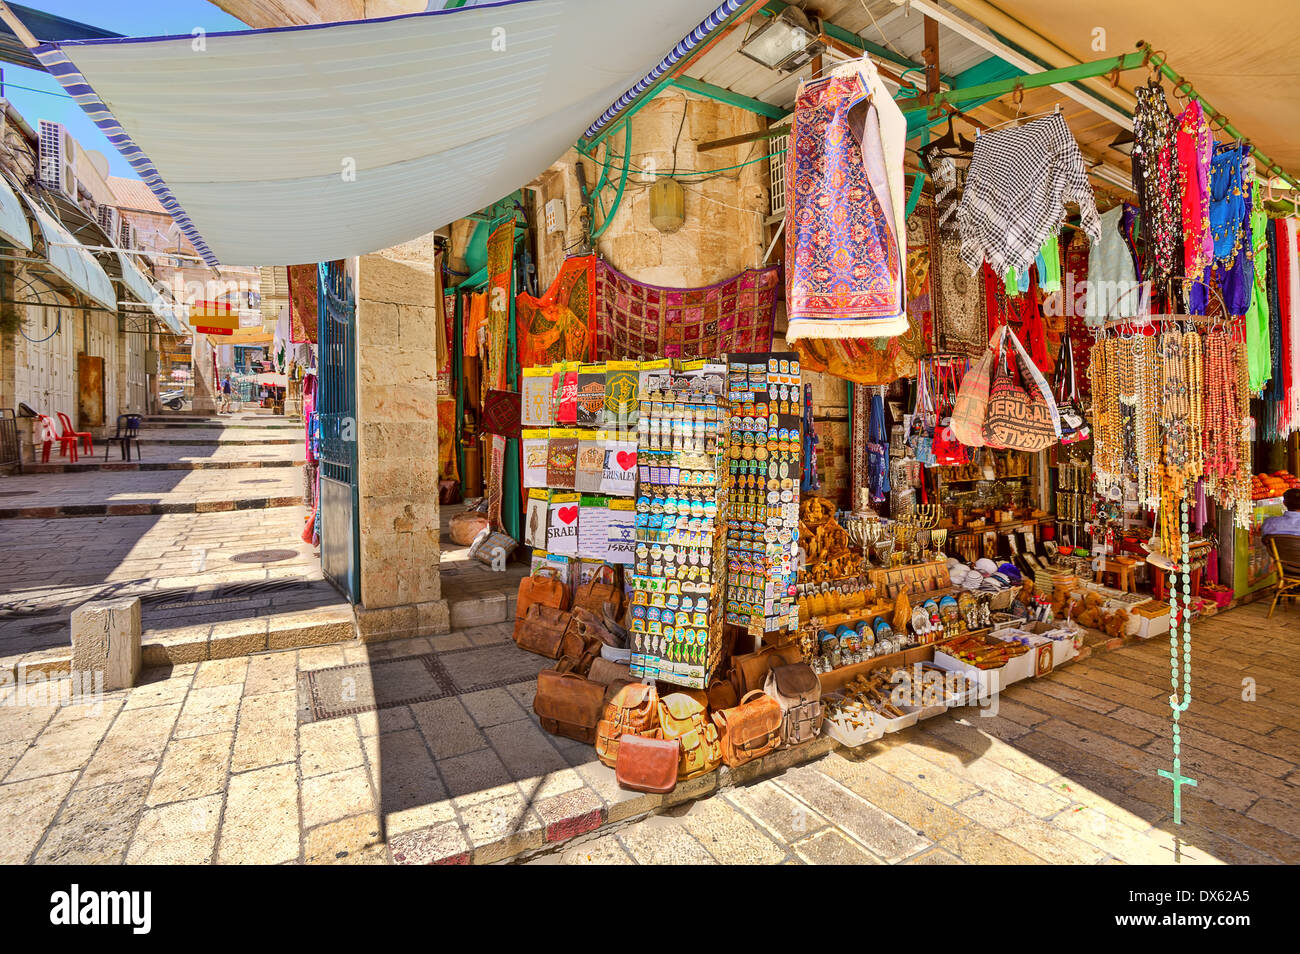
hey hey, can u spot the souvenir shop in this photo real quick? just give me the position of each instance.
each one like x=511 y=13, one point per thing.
x=1067 y=405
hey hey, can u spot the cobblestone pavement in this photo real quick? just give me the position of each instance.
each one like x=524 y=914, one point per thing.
x=55 y=564
x=242 y=760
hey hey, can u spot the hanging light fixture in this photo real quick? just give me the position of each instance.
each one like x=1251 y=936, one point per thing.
x=667 y=204
x=785 y=42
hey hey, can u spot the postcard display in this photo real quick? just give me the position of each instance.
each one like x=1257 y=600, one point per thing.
x=579 y=466
x=764 y=464
x=681 y=510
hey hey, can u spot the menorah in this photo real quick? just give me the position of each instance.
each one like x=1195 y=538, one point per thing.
x=921 y=517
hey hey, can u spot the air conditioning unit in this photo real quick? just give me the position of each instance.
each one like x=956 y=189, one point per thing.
x=57 y=160
x=110 y=220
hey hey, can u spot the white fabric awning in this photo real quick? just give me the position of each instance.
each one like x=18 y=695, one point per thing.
x=13 y=220
x=306 y=144
x=161 y=305
x=74 y=264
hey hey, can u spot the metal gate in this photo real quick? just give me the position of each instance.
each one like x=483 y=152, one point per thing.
x=340 y=549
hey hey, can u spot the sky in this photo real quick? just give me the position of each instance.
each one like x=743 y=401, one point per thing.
x=127 y=17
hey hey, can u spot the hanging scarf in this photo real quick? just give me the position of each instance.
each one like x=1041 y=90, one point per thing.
x=877 y=450
x=1274 y=392
x=1195 y=148
x=1258 y=348
x=1155 y=179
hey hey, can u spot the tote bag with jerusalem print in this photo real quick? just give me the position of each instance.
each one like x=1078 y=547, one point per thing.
x=1020 y=417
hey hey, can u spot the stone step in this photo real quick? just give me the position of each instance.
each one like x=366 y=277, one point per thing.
x=155 y=465
x=222 y=424
x=213 y=441
x=479 y=609
x=243 y=637
x=147 y=509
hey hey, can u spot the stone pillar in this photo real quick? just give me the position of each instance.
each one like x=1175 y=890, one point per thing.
x=106 y=638
x=205 y=397
x=397 y=295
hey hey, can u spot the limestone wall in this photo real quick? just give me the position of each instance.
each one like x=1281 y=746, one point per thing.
x=723 y=232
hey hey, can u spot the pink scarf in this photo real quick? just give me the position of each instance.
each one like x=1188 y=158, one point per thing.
x=1195 y=147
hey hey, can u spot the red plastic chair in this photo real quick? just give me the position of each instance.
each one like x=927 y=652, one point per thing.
x=67 y=442
x=87 y=439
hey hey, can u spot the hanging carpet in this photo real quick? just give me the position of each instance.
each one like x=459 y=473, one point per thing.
x=559 y=326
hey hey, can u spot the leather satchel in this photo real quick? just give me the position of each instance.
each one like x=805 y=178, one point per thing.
x=799 y=693
x=722 y=695
x=543 y=587
x=749 y=730
x=595 y=593
x=634 y=710
x=685 y=719
x=592 y=626
x=749 y=672
x=568 y=705
x=648 y=764
x=579 y=646
x=541 y=630
x=605 y=671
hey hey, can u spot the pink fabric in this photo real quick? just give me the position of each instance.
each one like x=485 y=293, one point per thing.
x=1195 y=146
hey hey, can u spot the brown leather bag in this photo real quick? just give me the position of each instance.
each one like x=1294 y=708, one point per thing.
x=684 y=718
x=634 y=710
x=542 y=630
x=542 y=587
x=606 y=672
x=749 y=730
x=722 y=695
x=593 y=626
x=595 y=593
x=749 y=672
x=798 y=691
x=568 y=705
x=647 y=764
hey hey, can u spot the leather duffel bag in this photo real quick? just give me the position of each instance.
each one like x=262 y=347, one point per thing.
x=606 y=672
x=799 y=693
x=749 y=730
x=634 y=710
x=541 y=630
x=544 y=587
x=749 y=672
x=568 y=705
x=685 y=719
x=647 y=764
x=596 y=592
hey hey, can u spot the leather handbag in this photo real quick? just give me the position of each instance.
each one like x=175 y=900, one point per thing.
x=634 y=710
x=684 y=718
x=1020 y=416
x=542 y=587
x=647 y=764
x=592 y=626
x=579 y=645
x=605 y=671
x=542 y=630
x=568 y=705
x=595 y=593
x=722 y=695
x=749 y=672
x=749 y=730
x=799 y=693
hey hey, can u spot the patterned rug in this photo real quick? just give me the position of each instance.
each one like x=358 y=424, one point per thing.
x=884 y=360
x=501 y=413
x=303 y=303
x=636 y=320
x=959 y=306
x=559 y=326
x=842 y=269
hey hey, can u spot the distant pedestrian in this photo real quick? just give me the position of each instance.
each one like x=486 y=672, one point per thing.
x=225 y=395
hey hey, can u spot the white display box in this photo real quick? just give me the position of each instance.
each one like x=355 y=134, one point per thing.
x=988 y=681
x=853 y=736
x=908 y=718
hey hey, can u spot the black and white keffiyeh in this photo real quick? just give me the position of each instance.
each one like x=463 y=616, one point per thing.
x=1016 y=189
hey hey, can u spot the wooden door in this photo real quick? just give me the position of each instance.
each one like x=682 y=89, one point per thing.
x=90 y=391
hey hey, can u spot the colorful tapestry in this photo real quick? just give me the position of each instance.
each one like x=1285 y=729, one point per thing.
x=501 y=413
x=639 y=320
x=843 y=273
x=500 y=266
x=447 y=467
x=883 y=360
x=958 y=301
x=303 y=303
x=1074 y=303
x=560 y=326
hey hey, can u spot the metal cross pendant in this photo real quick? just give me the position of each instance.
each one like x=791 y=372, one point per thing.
x=1179 y=780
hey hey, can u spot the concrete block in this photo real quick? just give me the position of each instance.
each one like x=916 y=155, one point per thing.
x=478 y=610
x=106 y=638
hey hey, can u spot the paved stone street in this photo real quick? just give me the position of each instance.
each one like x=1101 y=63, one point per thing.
x=427 y=750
